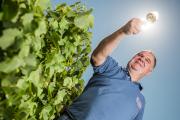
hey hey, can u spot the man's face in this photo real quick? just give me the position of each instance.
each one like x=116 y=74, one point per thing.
x=142 y=63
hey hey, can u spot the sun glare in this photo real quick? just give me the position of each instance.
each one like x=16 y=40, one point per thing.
x=150 y=20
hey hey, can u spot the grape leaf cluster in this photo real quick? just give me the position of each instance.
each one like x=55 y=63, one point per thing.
x=43 y=54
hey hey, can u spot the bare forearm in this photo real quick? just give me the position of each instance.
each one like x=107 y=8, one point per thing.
x=108 y=44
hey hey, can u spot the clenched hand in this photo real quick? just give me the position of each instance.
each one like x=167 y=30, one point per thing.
x=133 y=26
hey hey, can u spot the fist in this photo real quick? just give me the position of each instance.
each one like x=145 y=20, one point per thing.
x=133 y=26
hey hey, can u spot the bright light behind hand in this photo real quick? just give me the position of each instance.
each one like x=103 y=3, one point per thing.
x=151 y=18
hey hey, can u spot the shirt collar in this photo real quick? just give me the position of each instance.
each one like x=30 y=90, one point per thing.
x=136 y=83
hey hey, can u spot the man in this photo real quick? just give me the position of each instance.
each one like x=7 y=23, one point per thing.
x=113 y=92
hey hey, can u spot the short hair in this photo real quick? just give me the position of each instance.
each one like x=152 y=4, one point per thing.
x=155 y=61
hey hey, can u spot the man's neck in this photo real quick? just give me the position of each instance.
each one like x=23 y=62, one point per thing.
x=134 y=77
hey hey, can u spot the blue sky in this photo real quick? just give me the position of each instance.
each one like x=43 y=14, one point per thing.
x=161 y=88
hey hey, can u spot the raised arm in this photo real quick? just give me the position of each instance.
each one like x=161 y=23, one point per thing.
x=108 y=44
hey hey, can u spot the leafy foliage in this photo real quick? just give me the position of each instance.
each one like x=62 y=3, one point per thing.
x=43 y=53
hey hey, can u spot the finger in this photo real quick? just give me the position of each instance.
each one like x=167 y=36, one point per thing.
x=134 y=31
x=137 y=28
x=139 y=23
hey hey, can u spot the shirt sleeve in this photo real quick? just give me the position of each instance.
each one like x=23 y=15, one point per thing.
x=108 y=68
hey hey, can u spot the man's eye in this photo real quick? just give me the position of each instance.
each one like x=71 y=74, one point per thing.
x=147 y=60
x=141 y=55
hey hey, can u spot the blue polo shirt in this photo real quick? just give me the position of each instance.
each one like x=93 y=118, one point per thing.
x=109 y=95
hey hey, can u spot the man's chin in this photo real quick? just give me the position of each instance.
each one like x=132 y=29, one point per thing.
x=136 y=69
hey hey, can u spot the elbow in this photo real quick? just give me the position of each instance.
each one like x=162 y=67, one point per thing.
x=97 y=59
x=94 y=59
